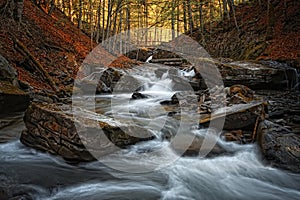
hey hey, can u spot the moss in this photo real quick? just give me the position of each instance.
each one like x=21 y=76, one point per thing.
x=8 y=88
x=254 y=51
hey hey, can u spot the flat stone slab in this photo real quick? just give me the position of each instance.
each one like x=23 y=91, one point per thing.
x=257 y=75
x=81 y=137
x=236 y=116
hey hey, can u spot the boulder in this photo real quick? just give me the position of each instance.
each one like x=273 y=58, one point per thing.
x=196 y=147
x=12 y=99
x=80 y=137
x=239 y=116
x=101 y=81
x=7 y=72
x=138 y=95
x=264 y=75
x=139 y=54
x=279 y=146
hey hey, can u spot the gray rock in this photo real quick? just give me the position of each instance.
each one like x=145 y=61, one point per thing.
x=279 y=146
x=102 y=81
x=196 y=147
x=7 y=72
x=138 y=95
x=257 y=75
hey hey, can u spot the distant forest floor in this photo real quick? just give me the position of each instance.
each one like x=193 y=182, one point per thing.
x=46 y=50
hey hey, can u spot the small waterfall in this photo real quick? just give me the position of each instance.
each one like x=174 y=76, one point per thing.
x=291 y=75
x=222 y=177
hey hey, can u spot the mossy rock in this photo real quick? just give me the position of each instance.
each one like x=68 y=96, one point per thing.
x=12 y=99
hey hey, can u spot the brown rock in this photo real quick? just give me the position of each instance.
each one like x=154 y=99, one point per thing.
x=279 y=146
x=238 y=116
x=235 y=135
x=196 y=147
x=81 y=137
x=12 y=99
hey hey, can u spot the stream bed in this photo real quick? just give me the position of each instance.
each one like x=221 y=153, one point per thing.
x=241 y=174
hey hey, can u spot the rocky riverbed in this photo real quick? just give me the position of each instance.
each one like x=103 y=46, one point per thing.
x=136 y=131
x=55 y=128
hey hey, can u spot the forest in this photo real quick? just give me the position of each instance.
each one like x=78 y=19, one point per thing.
x=102 y=19
x=149 y=99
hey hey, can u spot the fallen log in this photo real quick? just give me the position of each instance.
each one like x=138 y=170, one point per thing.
x=36 y=64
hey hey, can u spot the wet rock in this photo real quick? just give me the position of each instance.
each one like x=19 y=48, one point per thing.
x=7 y=72
x=235 y=135
x=240 y=94
x=283 y=108
x=279 y=146
x=12 y=99
x=4 y=194
x=183 y=99
x=196 y=147
x=137 y=95
x=257 y=75
x=239 y=116
x=21 y=197
x=296 y=119
x=140 y=54
x=56 y=130
x=108 y=79
x=160 y=72
x=102 y=81
x=127 y=84
x=162 y=54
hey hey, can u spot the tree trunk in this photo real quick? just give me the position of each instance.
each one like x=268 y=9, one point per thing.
x=127 y=24
x=201 y=15
x=103 y=21
x=184 y=16
x=178 y=17
x=225 y=9
x=220 y=9
x=191 y=22
x=98 y=22
x=108 y=20
x=232 y=11
x=120 y=31
x=80 y=14
x=146 y=20
x=71 y=9
x=173 y=19
x=91 y=21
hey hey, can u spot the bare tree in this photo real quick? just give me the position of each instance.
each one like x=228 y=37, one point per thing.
x=190 y=13
x=184 y=16
x=80 y=14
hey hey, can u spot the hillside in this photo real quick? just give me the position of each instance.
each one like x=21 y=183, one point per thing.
x=50 y=42
x=261 y=35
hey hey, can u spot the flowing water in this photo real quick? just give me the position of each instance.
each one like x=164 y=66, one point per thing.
x=241 y=174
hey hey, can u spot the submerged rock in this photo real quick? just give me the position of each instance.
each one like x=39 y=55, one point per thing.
x=279 y=146
x=138 y=95
x=80 y=137
x=12 y=99
x=196 y=147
